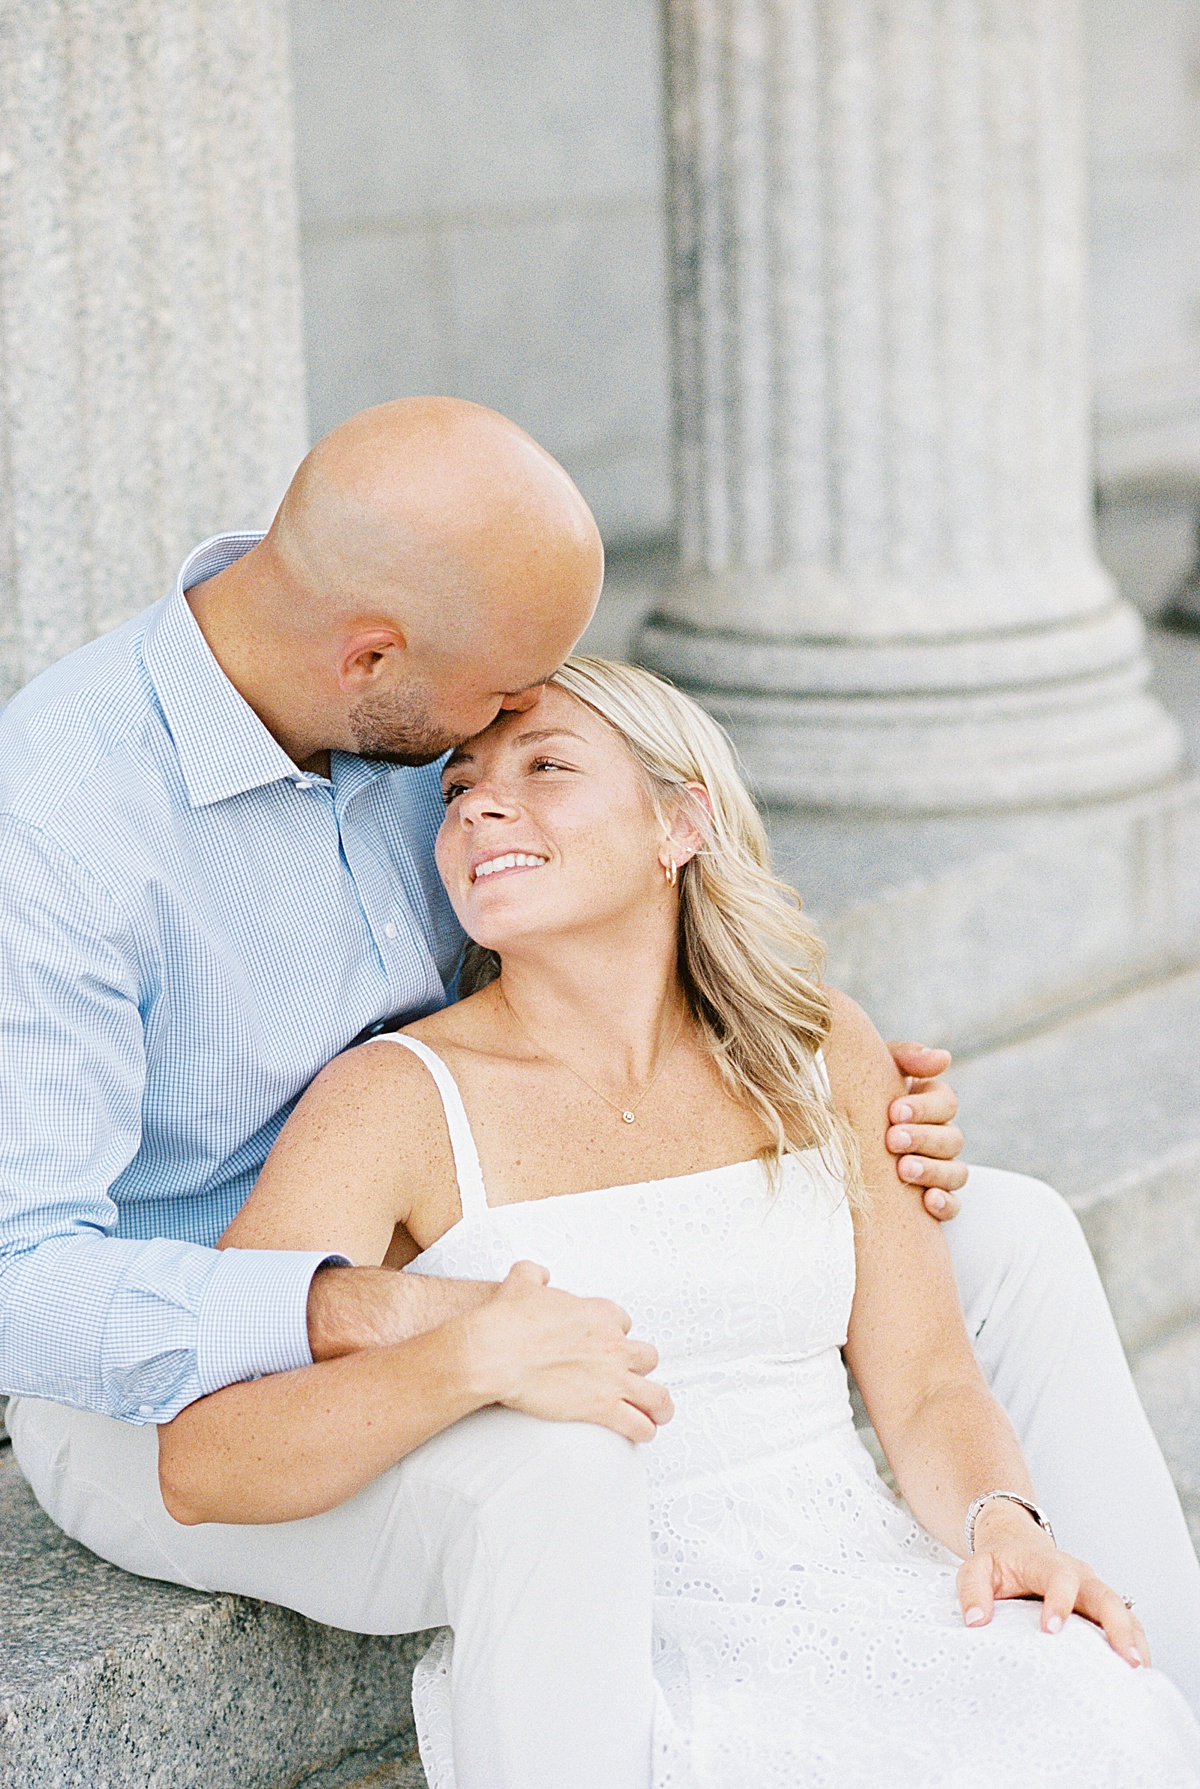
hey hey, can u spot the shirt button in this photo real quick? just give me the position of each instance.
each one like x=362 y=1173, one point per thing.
x=389 y=930
x=145 y=1409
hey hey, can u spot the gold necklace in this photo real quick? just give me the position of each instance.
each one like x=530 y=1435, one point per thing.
x=627 y=1112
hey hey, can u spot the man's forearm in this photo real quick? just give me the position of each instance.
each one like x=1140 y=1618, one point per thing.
x=292 y=1444
x=217 y=1317
x=350 y=1308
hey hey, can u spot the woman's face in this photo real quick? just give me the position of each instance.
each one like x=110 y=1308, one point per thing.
x=549 y=828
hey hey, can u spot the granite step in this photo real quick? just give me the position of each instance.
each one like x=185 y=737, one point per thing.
x=1106 y=1106
x=400 y=1775
x=114 y=1682
x=400 y=1772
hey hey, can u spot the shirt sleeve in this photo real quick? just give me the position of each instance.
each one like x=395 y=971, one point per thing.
x=131 y=1329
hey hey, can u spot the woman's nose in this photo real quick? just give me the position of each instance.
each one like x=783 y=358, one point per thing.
x=486 y=801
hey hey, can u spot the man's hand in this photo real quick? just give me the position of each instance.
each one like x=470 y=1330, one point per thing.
x=922 y=1131
x=563 y=1358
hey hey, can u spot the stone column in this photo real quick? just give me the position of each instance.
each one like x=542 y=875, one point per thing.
x=151 y=374
x=888 y=588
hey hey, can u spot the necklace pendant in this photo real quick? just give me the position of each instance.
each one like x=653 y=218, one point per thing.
x=627 y=1117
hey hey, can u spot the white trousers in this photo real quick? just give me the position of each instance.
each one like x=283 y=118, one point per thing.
x=531 y=1539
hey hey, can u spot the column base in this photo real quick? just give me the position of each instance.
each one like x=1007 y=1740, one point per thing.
x=976 y=724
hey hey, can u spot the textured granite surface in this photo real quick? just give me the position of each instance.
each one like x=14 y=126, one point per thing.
x=114 y=1682
x=403 y=1771
x=1106 y=1106
x=151 y=364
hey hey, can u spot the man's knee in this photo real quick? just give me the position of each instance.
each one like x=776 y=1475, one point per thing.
x=554 y=1466
x=1016 y=1217
x=558 y=1500
x=1016 y=1247
x=504 y=1456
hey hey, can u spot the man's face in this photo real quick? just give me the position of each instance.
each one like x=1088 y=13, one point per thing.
x=417 y=720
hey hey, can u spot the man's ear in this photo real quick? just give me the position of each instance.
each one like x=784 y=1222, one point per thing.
x=363 y=657
x=684 y=838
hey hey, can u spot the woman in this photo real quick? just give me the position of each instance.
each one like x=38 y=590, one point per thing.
x=650 y=1094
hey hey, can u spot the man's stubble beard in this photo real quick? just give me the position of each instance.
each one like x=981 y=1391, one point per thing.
x=395 y=729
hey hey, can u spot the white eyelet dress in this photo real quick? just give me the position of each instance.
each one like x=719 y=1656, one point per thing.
x=807 y=1631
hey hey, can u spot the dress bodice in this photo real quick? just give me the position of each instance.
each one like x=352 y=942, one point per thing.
x=743 y=1287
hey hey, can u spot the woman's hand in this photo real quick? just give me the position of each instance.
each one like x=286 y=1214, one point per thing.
x=1014 y=1557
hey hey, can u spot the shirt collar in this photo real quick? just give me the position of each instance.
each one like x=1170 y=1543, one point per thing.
x=223 y=747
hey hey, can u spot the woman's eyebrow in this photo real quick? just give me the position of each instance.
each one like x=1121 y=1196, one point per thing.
x=460 y=754
x=547 y=733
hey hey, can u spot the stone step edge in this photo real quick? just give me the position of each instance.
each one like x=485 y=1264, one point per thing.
x=132 y=1715
x=1143 y=1228
x=1006 y=942
x=178 y=1687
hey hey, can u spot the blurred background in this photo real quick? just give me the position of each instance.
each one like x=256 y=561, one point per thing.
x=483 y=212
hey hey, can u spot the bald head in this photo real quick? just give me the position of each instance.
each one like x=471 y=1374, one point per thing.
x=429 y=563
x=444 y=515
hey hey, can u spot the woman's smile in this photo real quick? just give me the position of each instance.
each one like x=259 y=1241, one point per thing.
x=500 y=863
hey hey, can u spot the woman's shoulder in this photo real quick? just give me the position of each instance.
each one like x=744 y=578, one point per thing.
x=464 y=1030
x=461 y=1024
x=857 y=1060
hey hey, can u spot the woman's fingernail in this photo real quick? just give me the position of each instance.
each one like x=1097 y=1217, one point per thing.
x=1054 y=1624
x=1133 y=1657
x=973 y=1617
x=936 y=1201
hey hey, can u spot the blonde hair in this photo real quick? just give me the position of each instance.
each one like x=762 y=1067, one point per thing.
x=749 y=963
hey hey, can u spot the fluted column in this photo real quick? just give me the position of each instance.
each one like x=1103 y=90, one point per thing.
x=888 y=587
x=151 y=374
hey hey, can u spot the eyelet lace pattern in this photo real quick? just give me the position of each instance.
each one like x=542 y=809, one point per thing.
x=807 y=1631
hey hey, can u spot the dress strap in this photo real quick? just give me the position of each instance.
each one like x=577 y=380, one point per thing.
x=472 y=1193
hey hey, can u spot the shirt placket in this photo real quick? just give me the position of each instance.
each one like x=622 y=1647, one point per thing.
x=398 y=930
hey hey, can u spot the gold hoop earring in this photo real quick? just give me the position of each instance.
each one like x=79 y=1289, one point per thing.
x=672 y=875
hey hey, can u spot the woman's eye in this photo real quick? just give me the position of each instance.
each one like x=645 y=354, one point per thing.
x=547 y=764
x=451 y=792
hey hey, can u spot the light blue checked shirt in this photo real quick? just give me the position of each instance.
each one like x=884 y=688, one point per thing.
x=191 y=927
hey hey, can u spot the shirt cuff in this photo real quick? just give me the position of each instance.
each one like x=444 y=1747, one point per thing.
x=254 y=1315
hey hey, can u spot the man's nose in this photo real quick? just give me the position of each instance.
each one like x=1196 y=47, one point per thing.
x=522 y=700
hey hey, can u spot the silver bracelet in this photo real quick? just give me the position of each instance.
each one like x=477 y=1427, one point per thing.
x=1039 y=1515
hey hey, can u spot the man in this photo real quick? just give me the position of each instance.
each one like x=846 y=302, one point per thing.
x=216 y=831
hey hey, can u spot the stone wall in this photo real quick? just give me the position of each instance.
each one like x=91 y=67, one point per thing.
x=151 y=382
x=481 y=213
x=1143 y=92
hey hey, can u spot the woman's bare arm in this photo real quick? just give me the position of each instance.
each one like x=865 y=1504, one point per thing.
x=944 y=1434
x=947 y=1439
x=294 y=1444
x=366 y=1141
x=398 y=1357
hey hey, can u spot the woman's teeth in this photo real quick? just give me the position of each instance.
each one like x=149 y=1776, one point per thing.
x=515 y=860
